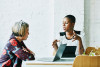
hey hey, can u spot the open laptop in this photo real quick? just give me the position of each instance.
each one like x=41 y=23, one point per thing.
x=69 y=52
x=57 y=56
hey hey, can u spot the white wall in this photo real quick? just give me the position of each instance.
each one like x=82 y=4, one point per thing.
x=65 y=7
x=92 y=22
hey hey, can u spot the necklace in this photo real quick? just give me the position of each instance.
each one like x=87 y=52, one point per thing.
x=69 y=38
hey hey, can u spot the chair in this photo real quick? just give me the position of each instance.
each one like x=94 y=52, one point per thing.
x=86 y=61
x=89 y=49
x=97 y=52
x=93 y=49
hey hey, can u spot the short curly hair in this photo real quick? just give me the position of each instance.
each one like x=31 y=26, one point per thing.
x=19 y=28
x=71 y=17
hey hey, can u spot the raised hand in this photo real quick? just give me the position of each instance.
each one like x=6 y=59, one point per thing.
x=54 y=44
x=76 y=37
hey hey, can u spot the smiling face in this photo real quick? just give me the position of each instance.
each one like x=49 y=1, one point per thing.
x=67 y=25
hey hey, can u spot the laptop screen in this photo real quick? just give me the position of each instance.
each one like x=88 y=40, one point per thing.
x=69 y=51
x=59 y=52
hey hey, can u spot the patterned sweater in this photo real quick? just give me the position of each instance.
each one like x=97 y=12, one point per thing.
x=13 y=53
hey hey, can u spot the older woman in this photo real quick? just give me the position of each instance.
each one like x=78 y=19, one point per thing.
x=15 y=50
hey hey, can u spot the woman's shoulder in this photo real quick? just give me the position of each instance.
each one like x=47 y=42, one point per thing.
x=13 y=42
x=11 y=45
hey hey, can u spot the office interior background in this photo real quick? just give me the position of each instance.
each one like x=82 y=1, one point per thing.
x=45 y=21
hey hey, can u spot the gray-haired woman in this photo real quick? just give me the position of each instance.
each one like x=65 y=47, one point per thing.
x=15 y=50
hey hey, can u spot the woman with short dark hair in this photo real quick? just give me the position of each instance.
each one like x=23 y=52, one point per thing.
x=70 y=36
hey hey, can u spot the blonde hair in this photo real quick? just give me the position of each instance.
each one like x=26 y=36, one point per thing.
x=19 y=28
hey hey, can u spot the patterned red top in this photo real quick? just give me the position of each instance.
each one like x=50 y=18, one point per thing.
x=13 y=53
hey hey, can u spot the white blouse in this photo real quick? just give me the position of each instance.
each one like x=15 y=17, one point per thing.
x=64 y=40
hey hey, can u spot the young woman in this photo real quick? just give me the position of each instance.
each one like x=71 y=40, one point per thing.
x=15 y=50
x=70 y=37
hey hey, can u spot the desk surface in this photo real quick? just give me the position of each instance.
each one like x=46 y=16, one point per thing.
x=60 y=62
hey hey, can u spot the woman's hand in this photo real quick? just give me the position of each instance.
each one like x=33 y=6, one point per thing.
x=24 y=49
x=31 y=51
x=76 y=37
x=28 y=50
x=54 y=44
x=81 y=48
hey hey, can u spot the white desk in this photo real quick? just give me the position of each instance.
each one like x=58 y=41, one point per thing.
x=61 y=63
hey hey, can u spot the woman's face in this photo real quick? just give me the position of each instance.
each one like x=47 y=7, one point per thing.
x=26 y=34
x=67 y=25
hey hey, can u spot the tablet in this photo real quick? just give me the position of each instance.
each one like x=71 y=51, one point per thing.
x=69 y=51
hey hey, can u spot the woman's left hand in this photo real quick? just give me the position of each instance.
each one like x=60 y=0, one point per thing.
x=31 y=51
x=24 y=49
x=76 y=37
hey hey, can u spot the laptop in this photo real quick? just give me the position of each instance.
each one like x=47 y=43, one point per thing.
x=57 y=56
x=69 y=52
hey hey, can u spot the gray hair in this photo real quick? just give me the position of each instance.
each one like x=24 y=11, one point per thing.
x=19 y=28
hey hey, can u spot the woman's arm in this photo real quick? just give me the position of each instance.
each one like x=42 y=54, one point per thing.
x=81 y=48
x=21 y=53
x=55 y=46
x=31 y=52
